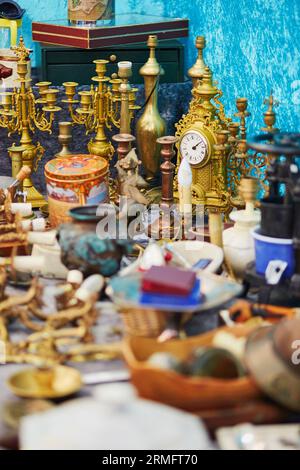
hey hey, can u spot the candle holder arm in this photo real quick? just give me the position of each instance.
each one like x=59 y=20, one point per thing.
x=79 y=119
x=113 y=106
x=39 y=153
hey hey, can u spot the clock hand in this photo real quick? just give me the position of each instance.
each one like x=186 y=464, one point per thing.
x=195 y=146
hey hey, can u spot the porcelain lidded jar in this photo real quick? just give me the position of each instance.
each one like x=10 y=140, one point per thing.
x=238 y=242
x=75 y=180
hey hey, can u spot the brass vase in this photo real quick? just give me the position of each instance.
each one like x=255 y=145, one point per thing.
x=150 y=125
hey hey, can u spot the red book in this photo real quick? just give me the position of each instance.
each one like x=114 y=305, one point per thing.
x=168 y=280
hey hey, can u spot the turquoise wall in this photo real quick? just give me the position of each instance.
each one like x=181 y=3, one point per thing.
x=253 y=45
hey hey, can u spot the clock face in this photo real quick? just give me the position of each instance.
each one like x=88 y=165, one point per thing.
x=194 y=147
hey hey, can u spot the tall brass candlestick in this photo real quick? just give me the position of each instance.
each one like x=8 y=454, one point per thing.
x=167 y=168
x=150 y=126
x=20 y=114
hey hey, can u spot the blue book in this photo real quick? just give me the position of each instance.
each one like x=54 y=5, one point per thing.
x=191 y=300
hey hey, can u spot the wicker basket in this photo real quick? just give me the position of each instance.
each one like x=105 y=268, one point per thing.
x=146 y=323
x=188 y=393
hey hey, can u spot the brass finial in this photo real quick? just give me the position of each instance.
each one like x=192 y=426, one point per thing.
x=152 y=67
x=152 y=42
x=270 y=115
x=196 y=72
x=21 y=51
x=206 y=87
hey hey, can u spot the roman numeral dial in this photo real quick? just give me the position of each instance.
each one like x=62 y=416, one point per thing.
x=194 y=147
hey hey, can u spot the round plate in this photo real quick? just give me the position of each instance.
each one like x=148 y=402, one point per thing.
x=192 y=251
x=216 y=290
x=57 y=382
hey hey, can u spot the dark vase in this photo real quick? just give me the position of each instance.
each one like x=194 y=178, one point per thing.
x=84 y=249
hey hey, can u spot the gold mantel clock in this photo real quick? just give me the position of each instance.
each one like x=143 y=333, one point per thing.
x=202 y=141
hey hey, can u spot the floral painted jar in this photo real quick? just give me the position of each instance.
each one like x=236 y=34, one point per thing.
x=75 y=181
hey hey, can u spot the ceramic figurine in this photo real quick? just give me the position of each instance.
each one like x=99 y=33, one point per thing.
x=238 y=241
x=129 y=179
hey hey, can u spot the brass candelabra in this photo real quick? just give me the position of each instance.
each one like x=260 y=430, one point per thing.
x=242 y=162
x=22 y=113
x=111 y=102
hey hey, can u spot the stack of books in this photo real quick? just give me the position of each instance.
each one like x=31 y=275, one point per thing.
x=169 y=286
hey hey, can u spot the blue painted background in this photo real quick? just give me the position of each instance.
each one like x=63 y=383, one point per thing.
x=253 y=45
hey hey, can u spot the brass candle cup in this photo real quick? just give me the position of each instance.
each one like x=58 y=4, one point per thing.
x=132 y=99
x=242 y=104
x=234 y=129
x=22 y=69
x=222 y=137
x=115 y=87
x=70 y=90
x=51 y=97
x=101 y=65
x=6 y=98
x=65 y=129
x=85 y=100
x=43 y=86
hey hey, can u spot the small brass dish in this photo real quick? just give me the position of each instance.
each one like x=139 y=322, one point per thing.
x=56 y=382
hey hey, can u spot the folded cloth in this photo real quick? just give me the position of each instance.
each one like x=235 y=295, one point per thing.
x=175 y=301
x=168 y=280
